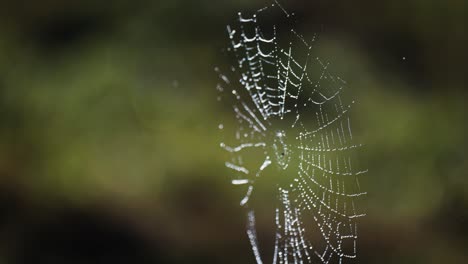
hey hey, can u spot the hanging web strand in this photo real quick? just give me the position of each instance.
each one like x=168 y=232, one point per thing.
x=290 y=109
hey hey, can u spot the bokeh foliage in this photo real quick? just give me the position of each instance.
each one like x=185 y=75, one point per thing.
x=109 y=142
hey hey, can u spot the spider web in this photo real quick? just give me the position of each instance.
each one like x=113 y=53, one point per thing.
x=290 y=112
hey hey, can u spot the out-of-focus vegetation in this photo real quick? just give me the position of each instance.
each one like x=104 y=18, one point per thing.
x=109 y=147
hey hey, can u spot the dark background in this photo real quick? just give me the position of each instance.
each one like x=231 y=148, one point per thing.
x=109 y=142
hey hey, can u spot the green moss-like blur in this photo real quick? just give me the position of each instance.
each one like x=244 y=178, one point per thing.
x=109 y=141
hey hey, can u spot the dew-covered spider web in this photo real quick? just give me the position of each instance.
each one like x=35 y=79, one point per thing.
x=290 y=136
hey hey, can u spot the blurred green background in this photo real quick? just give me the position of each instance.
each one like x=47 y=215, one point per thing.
x=109 y=141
